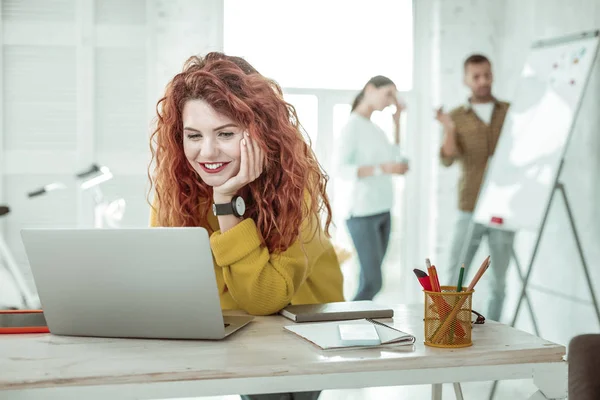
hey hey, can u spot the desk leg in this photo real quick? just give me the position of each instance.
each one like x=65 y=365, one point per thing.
x=538 y=396
x=436 y=391
x=458 y=391
x=551 y=382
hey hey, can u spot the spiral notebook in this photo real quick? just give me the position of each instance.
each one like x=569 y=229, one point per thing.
x=326 y=335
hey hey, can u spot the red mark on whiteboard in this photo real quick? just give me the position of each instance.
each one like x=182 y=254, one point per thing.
x=497 y=220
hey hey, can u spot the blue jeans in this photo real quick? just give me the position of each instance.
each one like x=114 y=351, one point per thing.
x=371 y=235
x=500 y=243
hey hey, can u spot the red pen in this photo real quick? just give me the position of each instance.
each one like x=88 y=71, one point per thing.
x=423 y=279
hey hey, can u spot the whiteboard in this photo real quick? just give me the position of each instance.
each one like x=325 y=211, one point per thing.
x=524 y=168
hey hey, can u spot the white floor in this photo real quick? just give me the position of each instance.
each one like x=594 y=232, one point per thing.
x=513 y=390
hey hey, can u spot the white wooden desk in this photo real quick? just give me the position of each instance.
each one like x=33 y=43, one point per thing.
x=264 y=358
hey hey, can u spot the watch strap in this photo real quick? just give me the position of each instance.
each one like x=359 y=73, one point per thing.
x=224 y=209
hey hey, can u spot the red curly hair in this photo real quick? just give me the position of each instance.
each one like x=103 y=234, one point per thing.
x=292 y=187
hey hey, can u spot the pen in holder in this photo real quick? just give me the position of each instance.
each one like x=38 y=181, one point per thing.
x=448 y=318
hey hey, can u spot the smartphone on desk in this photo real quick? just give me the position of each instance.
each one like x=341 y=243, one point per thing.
x=359 y=335
x=23 y=321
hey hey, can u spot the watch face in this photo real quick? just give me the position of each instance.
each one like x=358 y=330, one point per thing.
x=214 y=209
x=240 y=206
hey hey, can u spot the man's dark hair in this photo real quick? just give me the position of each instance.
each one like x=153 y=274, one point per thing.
x=476 y=59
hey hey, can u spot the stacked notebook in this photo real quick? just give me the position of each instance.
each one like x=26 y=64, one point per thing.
x=339 y=311
x=348 y=324
x=327 y=336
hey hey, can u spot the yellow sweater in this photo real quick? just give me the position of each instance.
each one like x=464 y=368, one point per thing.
x=260 y=283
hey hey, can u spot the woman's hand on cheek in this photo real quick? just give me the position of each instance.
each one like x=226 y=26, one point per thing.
x=251 y=166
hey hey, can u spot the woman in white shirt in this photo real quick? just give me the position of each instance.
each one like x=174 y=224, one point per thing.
x=367 y=159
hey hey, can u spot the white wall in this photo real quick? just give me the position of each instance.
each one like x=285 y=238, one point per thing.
x=184 y=28
x=80 y=81
x=504 y=30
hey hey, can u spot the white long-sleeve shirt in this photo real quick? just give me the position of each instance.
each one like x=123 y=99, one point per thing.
x=363 y=143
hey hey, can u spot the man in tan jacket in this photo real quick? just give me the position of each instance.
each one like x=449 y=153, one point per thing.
x=471 y=133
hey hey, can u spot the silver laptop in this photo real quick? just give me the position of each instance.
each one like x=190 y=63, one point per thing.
x=143 y=283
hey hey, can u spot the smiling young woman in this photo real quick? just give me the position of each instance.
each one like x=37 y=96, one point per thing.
x=229 y=156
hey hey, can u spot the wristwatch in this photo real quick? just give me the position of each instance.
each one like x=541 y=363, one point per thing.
x=237 y=207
